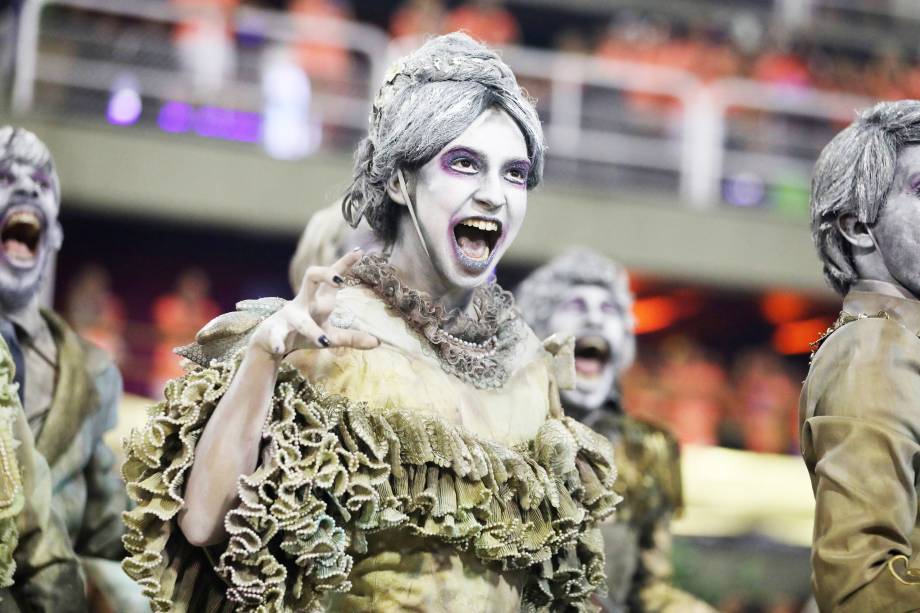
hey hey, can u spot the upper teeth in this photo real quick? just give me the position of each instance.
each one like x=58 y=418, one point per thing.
x=28 y=219
x=482 y=224
x=592 y=343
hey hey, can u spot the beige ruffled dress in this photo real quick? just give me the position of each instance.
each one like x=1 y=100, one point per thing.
x=433 y=473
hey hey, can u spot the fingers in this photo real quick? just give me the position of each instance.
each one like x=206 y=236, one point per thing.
x=352 y=338
x=277 y=336
x=312 y=279
x=311 y=334
x=344 y=263
x=332 y=275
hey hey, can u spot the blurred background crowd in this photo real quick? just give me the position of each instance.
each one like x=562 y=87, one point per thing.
x=196 y=137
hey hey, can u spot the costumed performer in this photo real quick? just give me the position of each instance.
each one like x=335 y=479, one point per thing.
x=585 y=296
x=69 y=388
x=858 y=412
x=392 y=438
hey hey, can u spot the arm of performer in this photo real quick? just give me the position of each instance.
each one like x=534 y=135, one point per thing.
x=657 y=592
x=229 y=444
x=861 y=443
x=106 y=500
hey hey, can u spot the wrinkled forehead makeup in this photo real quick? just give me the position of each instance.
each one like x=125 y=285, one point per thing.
x=23 y=147
x=908 y=164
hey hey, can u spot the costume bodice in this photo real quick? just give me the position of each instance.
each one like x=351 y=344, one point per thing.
x=400 y=572
x=403 y=372
x=434 y=472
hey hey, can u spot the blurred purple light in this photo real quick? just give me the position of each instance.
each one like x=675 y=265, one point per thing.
x=745 y=189
x=175 y=117
x=124 y=107
x=247 y=127
x=210 y=122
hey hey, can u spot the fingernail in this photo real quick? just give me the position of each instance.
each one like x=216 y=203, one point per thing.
x=337 y=279
x=323 y=340
x=356 y=250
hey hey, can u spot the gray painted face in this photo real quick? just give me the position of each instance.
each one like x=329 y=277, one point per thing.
x=591 y=314
x=471 y=200
x=30 y=234
x=586 y=295
x=896 y=231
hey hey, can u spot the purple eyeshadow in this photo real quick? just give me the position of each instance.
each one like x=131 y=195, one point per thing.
x=522 y=166
x=915 y=182
x=453 y=155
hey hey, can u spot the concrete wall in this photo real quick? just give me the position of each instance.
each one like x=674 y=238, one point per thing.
x=132 y=171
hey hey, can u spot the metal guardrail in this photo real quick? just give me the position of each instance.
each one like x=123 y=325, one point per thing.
x=701 y=138
x=366 y=41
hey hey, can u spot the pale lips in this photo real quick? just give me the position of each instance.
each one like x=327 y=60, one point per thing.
x=20 y=237
x=476 y=237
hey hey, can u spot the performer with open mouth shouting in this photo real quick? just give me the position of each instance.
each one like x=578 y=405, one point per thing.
x=392 y=438
x=585 y=297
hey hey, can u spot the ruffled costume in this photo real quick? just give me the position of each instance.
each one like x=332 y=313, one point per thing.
x=391 y=487
x=12 y=499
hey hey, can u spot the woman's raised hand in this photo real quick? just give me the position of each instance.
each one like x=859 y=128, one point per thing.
x=303 y=323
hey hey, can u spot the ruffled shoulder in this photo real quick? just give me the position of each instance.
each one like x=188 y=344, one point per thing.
x=649 y=472
x=226 y=334
x=12 y=499
x=335 y=471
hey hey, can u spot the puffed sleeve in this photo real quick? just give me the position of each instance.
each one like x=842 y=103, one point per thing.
x=860 y=443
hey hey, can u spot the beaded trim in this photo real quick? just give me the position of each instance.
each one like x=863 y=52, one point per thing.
x=843 y=319
x=477 y=350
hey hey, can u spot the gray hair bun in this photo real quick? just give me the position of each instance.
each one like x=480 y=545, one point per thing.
x=428 y=99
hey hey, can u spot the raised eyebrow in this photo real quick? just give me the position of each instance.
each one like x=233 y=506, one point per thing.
x=520 y=162
x=481 y=157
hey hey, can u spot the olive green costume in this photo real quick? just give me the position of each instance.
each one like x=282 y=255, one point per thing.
x=638 y=541
x=72 y=395
x=38 y=569
x=860 y=425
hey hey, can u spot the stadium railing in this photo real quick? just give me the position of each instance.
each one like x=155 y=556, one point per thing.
x=613 y=124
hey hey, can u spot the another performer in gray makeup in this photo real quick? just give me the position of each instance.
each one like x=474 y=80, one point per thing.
x=584 y=295
x=860 y=425
x=70 y=389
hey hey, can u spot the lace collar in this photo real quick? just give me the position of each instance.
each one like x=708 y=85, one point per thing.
x=477 y=349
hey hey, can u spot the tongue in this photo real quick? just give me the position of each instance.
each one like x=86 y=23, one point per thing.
x=474 y=248
x=16 y=249
x=588 y=367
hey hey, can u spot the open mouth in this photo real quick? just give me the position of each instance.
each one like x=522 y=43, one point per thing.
x=20 y=236
x=475 y=239
x=592 y=354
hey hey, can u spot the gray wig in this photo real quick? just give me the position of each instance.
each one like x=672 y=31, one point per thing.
x=853 y=175
x=541 y=293
x=20 y=145
x=427 y=100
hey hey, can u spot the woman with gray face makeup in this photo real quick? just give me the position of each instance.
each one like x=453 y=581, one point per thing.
x=391 y=439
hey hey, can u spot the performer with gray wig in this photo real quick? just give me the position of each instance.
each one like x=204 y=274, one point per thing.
x=582 y=297
x=860 y=426
x=69 y=388
x=392 y=438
